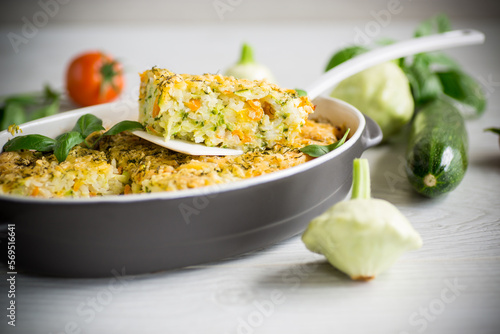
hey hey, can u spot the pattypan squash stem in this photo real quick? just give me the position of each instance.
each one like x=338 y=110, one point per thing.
x=364 y=236
x=361 y=179
x=246 y=55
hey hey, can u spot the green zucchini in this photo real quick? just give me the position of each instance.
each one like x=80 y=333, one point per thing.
x=436 y=157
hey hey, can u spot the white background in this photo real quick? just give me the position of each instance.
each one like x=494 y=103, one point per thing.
x=461 y=231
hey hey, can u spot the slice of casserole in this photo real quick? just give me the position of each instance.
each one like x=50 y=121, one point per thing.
x=220 y=111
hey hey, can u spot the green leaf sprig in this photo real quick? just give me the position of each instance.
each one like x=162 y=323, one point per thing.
x=344 y=55
x=301 y=92
x=431 y=75
x=86 y=125
x=21 y=108
x=494 y=130
x=32 y=142
x=65 y=142
x=319 y=150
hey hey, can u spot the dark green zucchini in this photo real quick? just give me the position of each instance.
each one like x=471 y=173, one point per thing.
x=436 y=157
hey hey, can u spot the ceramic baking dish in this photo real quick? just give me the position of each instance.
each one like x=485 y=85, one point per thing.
x=160 y=231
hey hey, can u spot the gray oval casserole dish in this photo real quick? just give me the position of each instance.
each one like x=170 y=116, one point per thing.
x=159 y=231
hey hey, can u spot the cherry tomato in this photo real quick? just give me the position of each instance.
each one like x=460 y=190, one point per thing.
x=94 y=78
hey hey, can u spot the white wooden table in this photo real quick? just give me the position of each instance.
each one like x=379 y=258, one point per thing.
x=451 y=285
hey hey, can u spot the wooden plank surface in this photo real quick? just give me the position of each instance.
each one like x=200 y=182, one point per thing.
x=451 y=285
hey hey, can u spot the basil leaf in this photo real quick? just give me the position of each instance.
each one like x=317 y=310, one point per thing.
x=50 y=106
x=385 y=41
x=494 y=130
x=437 y=58
x=429 y=87
x=345 y=54
x=30 y=142
x=301 y=92
x=319 y=150
x=48 y=110
x=423 y=29
x=23 y=99
x=65 y=142
x=87 y=124
x=35 y=105
x=443 y=23
x=13 y=114
x=124 y=126
x=436 y=24
x=463 y=88
x=425 y=85
x=50 y=94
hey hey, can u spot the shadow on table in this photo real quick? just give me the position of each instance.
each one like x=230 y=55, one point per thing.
x=388 y=175
x=317 y=274
x=487 y=162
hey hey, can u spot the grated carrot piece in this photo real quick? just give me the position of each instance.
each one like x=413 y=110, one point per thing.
x=241 y=135
x=127 y=190
x=77 y=185
x=255 y=112
x=153 y=131
x=156 y=107
x=35 y=191
x=194 y=104
x=304 y=101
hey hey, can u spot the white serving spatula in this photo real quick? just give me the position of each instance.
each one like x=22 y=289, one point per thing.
x=334 y=76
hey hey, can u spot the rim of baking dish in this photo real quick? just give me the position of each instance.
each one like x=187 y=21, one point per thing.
x=195 y=192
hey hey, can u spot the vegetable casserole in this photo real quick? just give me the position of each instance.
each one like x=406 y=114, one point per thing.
x=221 y=111
x=125 y=164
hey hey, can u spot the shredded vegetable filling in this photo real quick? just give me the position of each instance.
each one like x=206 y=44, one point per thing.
x=126 y=164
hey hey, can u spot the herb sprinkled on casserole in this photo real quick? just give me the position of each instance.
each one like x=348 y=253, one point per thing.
x=125 y=164
x=221 y=111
